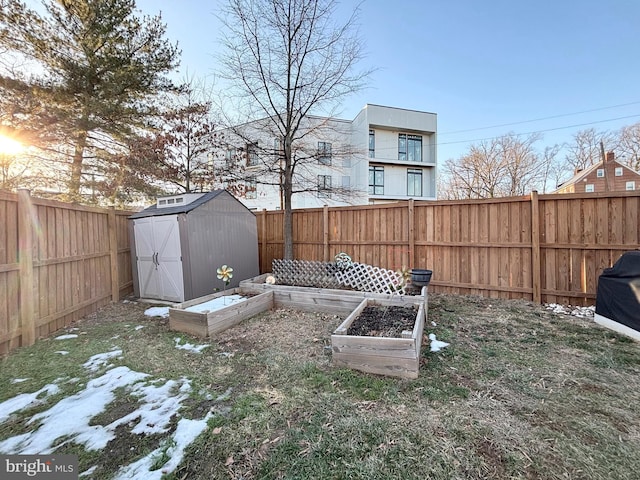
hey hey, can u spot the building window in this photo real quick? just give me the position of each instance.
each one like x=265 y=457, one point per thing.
x=252 y=155
x=251 y=188
x=372 y=144
x=631 y=185
x=618 y=171
x=600 y=173
x=324 y=186
x=230 y=155
x=409 y=147
x=346 y=163
x=589 y=188
x=376 y=180
x=414 y=182
x=324 y=153
x=346 y=181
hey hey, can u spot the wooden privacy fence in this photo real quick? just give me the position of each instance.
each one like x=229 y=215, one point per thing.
x=545 y=248
x=58 y=263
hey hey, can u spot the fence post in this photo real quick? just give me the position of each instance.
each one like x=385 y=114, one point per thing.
x=412 y=237
x=535 y=247
x=325 y=233
x=263 y=246
x=25 y=257
x=113 y=249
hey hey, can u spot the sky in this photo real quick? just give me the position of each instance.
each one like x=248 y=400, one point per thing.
x=486 y=68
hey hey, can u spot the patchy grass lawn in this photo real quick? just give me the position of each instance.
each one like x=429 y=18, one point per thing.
x=521 y=392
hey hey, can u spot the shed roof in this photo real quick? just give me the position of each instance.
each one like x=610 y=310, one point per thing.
x=154 y=211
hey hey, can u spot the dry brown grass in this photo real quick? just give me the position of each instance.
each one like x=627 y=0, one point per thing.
x=520 y=393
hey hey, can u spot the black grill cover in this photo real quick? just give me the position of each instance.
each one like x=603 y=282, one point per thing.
x=618 y=295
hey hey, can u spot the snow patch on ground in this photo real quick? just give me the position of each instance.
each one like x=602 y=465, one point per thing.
x=67 y=336
x=25 y=400
x=436 y=345
x=186 y=432
x=100 y=360
x=162 y=312
x=158 y=402
x=190 y=346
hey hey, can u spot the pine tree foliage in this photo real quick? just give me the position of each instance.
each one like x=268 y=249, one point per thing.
x=88 y=72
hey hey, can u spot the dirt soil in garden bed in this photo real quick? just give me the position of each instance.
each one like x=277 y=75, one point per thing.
x=383 y=321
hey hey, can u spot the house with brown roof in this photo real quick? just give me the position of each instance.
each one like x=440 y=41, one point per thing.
x=606 y=176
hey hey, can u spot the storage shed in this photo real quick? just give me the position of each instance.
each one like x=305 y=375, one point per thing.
x=181 y=241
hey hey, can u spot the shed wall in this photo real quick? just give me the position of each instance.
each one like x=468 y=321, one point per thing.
x=220 y=232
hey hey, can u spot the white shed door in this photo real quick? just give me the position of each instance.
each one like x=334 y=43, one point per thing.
x=159 y=259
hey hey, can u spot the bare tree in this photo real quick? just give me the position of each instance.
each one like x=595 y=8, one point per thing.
x=288 y=60
x=586 y=148
x=503 y=166
x=188 y=139
x=629 y=146
x=553 y=169
x=521 y=163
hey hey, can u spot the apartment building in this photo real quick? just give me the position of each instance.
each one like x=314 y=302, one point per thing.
x=384 y=154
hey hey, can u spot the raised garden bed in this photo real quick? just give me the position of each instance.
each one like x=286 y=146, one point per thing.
x=206 y=323
x=328 y=300
x=397 y=356
x=382 y=352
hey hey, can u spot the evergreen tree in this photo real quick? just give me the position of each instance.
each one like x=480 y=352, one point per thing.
x=97 y=67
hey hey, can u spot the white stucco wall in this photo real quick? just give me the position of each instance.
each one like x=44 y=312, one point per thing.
x=350 y=142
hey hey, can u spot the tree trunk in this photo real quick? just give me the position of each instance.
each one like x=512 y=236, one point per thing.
x=76 y=167
x=287 y=188
x=288 y=218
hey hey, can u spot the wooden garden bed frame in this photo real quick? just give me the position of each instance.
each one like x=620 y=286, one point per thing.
x=210 y=323
x=397 y=357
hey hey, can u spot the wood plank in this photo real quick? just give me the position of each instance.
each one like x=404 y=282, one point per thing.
x=113 y=258
x=204 y=324
x=375 y=346
x=4 y=304
x=631 y=224
x=536 y=282
x=4 y=232
x=189 y=322
x=234 y=314
x=25 y=236
x=402 y=368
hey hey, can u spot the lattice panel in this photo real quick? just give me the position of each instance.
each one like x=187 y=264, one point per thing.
x=305 y=274
x=360 y=276
x=368 y=278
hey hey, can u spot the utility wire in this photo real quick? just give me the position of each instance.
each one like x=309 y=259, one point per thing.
x=539 y=119
x=541 y=131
